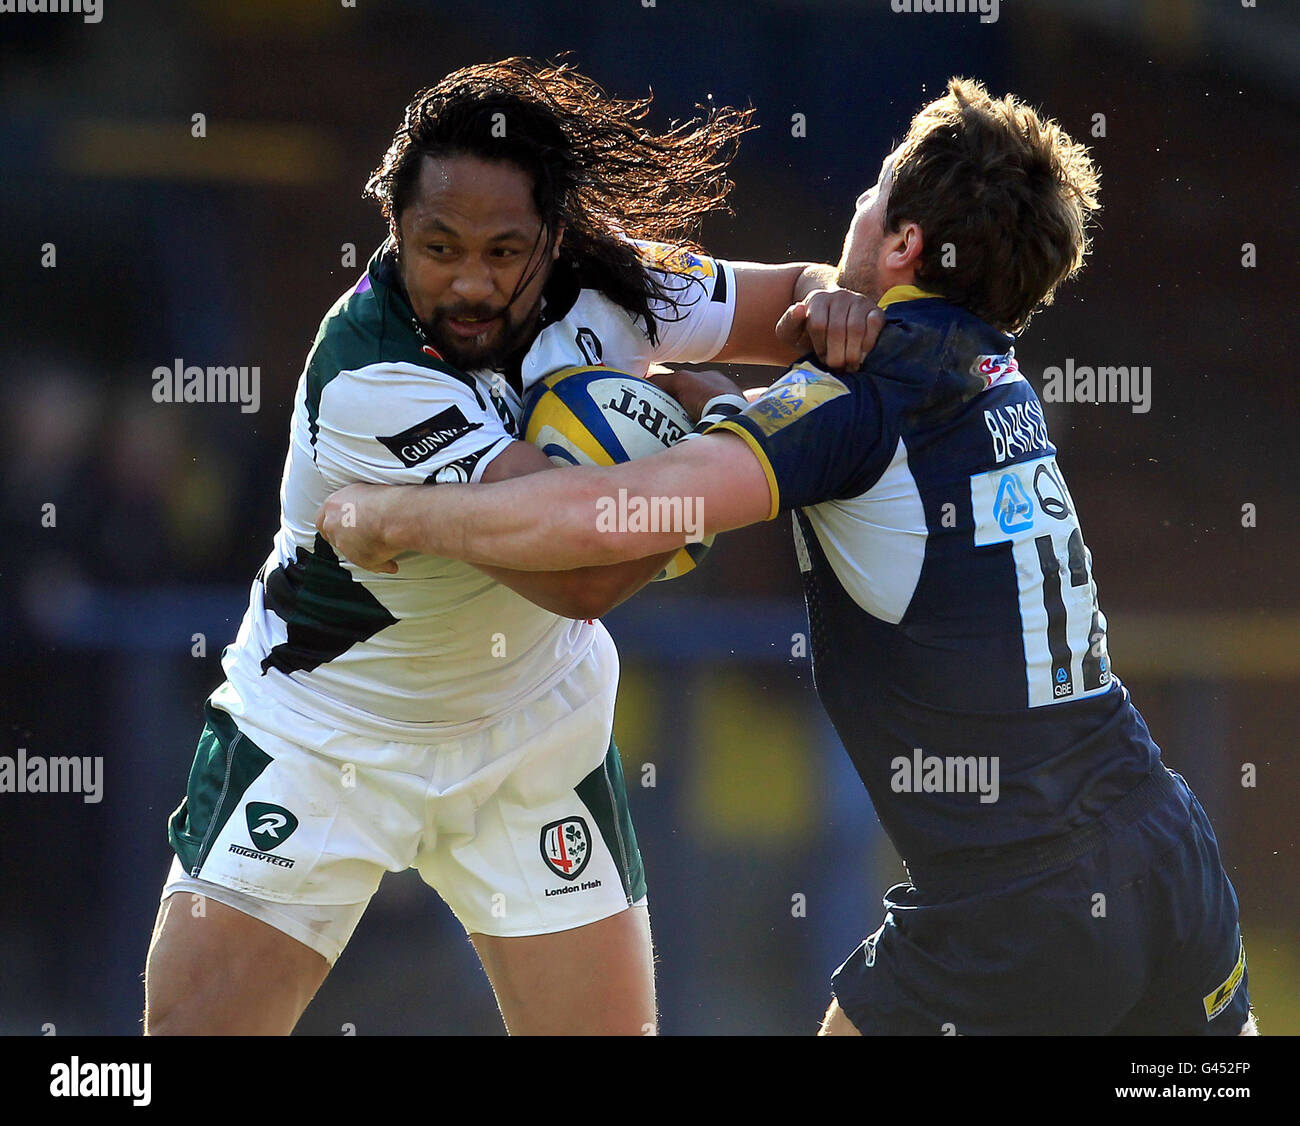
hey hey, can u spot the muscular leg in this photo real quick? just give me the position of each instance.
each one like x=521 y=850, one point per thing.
x=835 y=1023
x=595 y=980
x=224 y=973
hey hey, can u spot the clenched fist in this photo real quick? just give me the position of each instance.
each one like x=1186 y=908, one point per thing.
x=351 y=521
x=839 y=325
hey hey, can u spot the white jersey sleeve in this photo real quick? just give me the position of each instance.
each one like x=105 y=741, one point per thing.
x=695 y=324
x=401 y=424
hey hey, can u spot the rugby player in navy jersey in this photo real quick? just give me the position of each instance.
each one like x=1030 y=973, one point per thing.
x=1061 y=878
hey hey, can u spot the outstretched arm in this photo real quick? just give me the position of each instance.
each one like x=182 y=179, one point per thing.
x=585 y=592
x=559 y=521
x=784 y=312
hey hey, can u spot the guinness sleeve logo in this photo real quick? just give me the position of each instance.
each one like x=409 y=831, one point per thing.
x=426 y=438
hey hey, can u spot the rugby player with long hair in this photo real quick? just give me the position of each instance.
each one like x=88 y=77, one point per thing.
x=1061 y=878
x=454 y=718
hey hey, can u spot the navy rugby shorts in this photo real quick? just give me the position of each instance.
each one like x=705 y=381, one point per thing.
x=1126 y=926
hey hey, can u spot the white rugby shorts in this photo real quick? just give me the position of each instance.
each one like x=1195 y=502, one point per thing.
x=522 y=827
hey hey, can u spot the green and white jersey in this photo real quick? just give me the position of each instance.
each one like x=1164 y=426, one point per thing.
x=438 y=649
x=583 y=327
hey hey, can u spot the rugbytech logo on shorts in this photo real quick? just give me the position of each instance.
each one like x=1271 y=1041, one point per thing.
x=269 y=826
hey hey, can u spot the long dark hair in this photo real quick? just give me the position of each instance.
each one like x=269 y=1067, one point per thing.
x=594 y=168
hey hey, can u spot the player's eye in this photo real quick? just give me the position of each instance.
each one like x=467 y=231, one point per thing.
x=440 y=249
x=504 y=252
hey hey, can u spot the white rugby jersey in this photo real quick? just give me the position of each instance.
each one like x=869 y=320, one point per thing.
x=593 y=330
x=439 y=648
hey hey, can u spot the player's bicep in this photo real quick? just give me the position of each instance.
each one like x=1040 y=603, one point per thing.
x=586 y=592
x=763 y=293
x=816 y=438
x=516 y=460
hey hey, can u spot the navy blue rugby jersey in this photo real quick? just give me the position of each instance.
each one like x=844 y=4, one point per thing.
x=957 y=643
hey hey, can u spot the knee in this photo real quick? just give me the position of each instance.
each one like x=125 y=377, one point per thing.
x=835 y=1023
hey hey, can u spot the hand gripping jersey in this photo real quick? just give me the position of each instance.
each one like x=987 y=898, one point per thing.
x=958 y=646
x=437 y=649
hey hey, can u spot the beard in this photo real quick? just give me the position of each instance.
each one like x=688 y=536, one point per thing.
x=856 y=281
x=503 y=335
x=857 y=268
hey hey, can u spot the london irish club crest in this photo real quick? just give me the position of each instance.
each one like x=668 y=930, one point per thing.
x=566 y=847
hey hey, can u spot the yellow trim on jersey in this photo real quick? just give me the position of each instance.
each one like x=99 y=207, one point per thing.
x=775 y=489
x=903 y=293
x=1218 y=1000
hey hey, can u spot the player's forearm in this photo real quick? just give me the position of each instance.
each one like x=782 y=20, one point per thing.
x=763 y=294
x=815 y=276
x=588 y=592
x=542 y=522
x=562 y=520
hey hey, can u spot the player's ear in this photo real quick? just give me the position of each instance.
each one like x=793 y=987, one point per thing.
x=559 y=238
x=903 y=248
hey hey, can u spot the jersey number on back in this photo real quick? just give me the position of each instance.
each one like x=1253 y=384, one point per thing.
x=1028 y=506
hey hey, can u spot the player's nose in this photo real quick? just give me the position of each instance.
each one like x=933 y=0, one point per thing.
x=473 y=282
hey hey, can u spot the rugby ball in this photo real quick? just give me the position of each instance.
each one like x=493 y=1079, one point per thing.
x=600 y=416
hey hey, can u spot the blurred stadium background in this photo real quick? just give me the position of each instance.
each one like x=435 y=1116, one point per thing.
x=228 y=250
